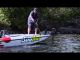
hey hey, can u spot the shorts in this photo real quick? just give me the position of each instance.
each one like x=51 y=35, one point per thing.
x=32 y=24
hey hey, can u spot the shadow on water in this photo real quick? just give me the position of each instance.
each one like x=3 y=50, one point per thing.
x=61 y=43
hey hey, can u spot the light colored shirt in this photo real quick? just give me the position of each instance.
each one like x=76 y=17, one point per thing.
x=30 y=18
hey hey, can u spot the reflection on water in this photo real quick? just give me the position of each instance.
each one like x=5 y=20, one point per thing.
x=61 y=43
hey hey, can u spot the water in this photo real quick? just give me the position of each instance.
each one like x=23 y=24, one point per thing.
x=61 y=43
x=66 y=43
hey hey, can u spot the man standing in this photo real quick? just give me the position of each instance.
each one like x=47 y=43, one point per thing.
x=32 y=21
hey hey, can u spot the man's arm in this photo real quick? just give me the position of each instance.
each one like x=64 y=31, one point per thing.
x=31 y=18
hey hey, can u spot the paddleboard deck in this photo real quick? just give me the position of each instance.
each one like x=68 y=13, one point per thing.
x=24 y=39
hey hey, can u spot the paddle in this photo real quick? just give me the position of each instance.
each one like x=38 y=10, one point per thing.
x=37 y=25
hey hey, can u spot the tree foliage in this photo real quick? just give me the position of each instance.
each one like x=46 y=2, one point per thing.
x=16 y=17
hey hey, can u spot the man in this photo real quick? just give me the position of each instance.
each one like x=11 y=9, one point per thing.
x=32 y=21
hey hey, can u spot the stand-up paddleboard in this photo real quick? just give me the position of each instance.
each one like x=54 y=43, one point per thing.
x=21 y=39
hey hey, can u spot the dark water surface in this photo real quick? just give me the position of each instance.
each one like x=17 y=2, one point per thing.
x=61 y=43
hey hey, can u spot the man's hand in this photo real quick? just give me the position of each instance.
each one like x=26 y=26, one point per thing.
x=32 y=20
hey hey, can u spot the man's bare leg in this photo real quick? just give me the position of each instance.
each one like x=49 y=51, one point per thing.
x=29 y=30
x=36 y=29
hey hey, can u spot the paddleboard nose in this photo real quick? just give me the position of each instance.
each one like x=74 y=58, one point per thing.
x=5 y=39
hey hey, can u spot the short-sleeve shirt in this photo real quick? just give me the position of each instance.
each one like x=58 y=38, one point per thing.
x=32 y=15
